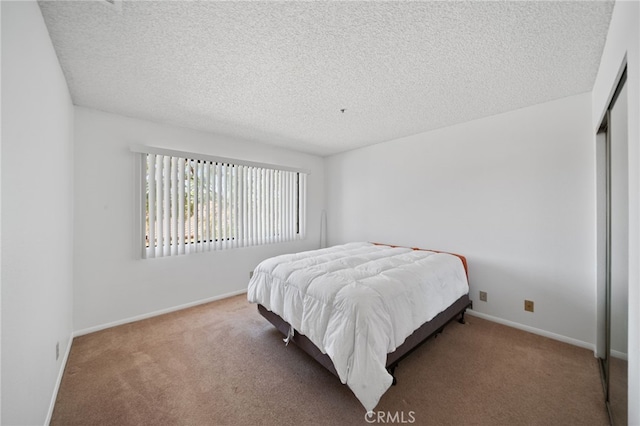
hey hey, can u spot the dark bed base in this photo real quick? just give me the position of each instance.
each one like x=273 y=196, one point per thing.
x=428 y=329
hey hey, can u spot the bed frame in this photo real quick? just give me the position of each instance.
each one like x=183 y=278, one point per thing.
x=423 y=333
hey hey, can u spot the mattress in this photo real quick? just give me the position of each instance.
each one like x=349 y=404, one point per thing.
x=359 y=301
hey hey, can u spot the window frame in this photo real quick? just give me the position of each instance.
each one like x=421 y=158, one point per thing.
x=218 y=243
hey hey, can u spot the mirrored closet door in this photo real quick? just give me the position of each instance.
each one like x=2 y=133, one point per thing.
x=613 y=254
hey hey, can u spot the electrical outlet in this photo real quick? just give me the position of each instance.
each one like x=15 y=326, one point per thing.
x=57 y=350
x=483 y=296
x=528 y=305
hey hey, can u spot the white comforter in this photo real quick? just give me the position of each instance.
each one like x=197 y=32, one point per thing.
x=357 y=302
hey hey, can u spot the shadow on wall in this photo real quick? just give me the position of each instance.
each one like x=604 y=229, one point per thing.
x=509 y=283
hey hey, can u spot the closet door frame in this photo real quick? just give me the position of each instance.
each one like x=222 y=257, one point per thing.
x=604 y=239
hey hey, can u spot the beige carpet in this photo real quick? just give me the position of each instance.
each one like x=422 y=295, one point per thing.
x=223 y=364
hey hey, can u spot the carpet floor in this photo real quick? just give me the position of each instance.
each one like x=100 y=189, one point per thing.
x=223 y=364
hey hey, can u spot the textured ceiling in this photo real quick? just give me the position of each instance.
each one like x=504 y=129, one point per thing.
x=280 y=72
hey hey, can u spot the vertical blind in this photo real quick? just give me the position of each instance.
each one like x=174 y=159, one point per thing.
x=194 y=205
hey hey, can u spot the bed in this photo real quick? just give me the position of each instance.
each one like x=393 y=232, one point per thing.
x=360 y=308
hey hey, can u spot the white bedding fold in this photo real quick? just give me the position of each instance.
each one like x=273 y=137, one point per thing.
x=359 y=301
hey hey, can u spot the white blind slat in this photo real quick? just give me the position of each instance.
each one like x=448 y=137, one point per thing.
x=245 y=197
x=206 y=216
x=228 y=199
x=181 y=207
x=196 y=206
x=159 y=204
x=281 y=216
x=288 y=197
x=211 y=209
x=201 y=205
x=166 y=206
x=240 y=207
x=234 y=206
x=219 y=211
x=269 y=206
x=254 y=206
x=261 y=201
x=303 y=206
x=150 y=241
x=174 y=206
x=189 y=190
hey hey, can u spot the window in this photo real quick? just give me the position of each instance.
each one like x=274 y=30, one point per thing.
x=193 y=203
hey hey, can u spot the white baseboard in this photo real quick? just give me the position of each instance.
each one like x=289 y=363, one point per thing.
x=63 y=365
x=533 y=330
x=155 y=313
x=620 y=355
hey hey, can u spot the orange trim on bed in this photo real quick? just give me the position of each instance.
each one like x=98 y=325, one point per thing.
x=462 y=258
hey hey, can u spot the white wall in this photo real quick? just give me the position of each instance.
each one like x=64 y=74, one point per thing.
x=515 y=193
x=37 y=172
x=623 y=45
x=0 y=226
x=111 y=284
